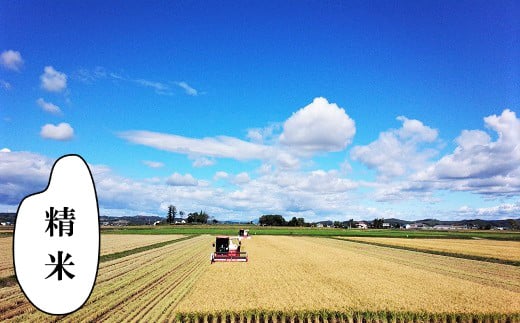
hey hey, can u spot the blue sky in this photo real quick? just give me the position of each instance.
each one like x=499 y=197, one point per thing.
x=325 y=110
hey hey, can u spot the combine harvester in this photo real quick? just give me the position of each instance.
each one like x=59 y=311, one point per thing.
x=243 y=234
x=228 y=249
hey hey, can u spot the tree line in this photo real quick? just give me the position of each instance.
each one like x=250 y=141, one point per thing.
x=194 y=217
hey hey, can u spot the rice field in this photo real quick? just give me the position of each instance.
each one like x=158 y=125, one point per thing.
x=145 y=286
x=310 y=274
x=493 y=249
x=290 y=279
x=6 y=256
x=110 y=243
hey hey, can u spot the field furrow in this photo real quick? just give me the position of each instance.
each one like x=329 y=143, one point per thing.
x=143 y=280
x=490 y=249
x=110 y=243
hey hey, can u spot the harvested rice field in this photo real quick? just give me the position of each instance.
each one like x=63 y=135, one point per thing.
x=144 y=286
x=110 y=243
x=6 y=256
x=493 y=249
x=290 y=279
x=304 y=273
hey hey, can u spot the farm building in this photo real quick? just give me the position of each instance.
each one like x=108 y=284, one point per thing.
x=361 y=225
x=416 y=226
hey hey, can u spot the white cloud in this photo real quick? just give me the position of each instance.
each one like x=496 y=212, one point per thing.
x=241 y=178
x=220 y=175
x=263 y=135
x=319 y=127
x=21 y=174
x=153 y=164
x=203 y=162
x=157 y=86
x=62 y=132
x=478 y=164
x=5 y=150
x=5 y=85
x=221 y=146
x=497 y=212
x=52 y=80
x=398 y=151
x=187 y=88
x=11 y=60
x=177 y=179
x=48 y=106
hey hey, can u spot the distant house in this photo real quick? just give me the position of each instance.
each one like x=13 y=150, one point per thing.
x=361 y=225
x=157 y=223
x=5 y=223
x=416 y=226
x=386 y=226
x=180 y=221
x=319 y=225
x=121 y=222
x=442 y=227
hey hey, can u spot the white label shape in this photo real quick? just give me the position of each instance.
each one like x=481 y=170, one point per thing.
x=57 y=273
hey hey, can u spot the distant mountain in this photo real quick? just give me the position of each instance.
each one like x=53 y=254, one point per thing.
x=129 y=220
x=149 y=220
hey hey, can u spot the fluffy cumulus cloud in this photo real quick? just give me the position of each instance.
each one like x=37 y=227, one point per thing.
x=62 y=131
x=305 y=133
x=296 y=194
x=52 y=80
x=11 y=60
x=48 y=106
x=478 y=163
x=319 y=127
x=397 y=152
x=21 y=174
x=177 y=179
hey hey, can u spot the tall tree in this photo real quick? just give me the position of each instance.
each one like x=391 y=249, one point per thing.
x=172 y=211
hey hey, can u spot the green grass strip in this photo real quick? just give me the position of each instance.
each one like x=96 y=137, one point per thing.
x=125 y=253
x=306 y=231
x=435 y=252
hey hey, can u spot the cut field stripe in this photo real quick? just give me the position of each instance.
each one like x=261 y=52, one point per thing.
x=125 y=253
x=434 y=252
x=11 y=280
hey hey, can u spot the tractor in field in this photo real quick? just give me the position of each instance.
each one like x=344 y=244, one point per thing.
x=228 y=249
x=243 y=234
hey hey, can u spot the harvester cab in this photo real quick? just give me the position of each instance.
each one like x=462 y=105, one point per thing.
x=243 y=234
x=228 y=249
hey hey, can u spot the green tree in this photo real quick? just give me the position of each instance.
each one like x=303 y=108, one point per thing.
x=201 y=217
x=377 y=223
x=272 y=219
x=172 y=211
